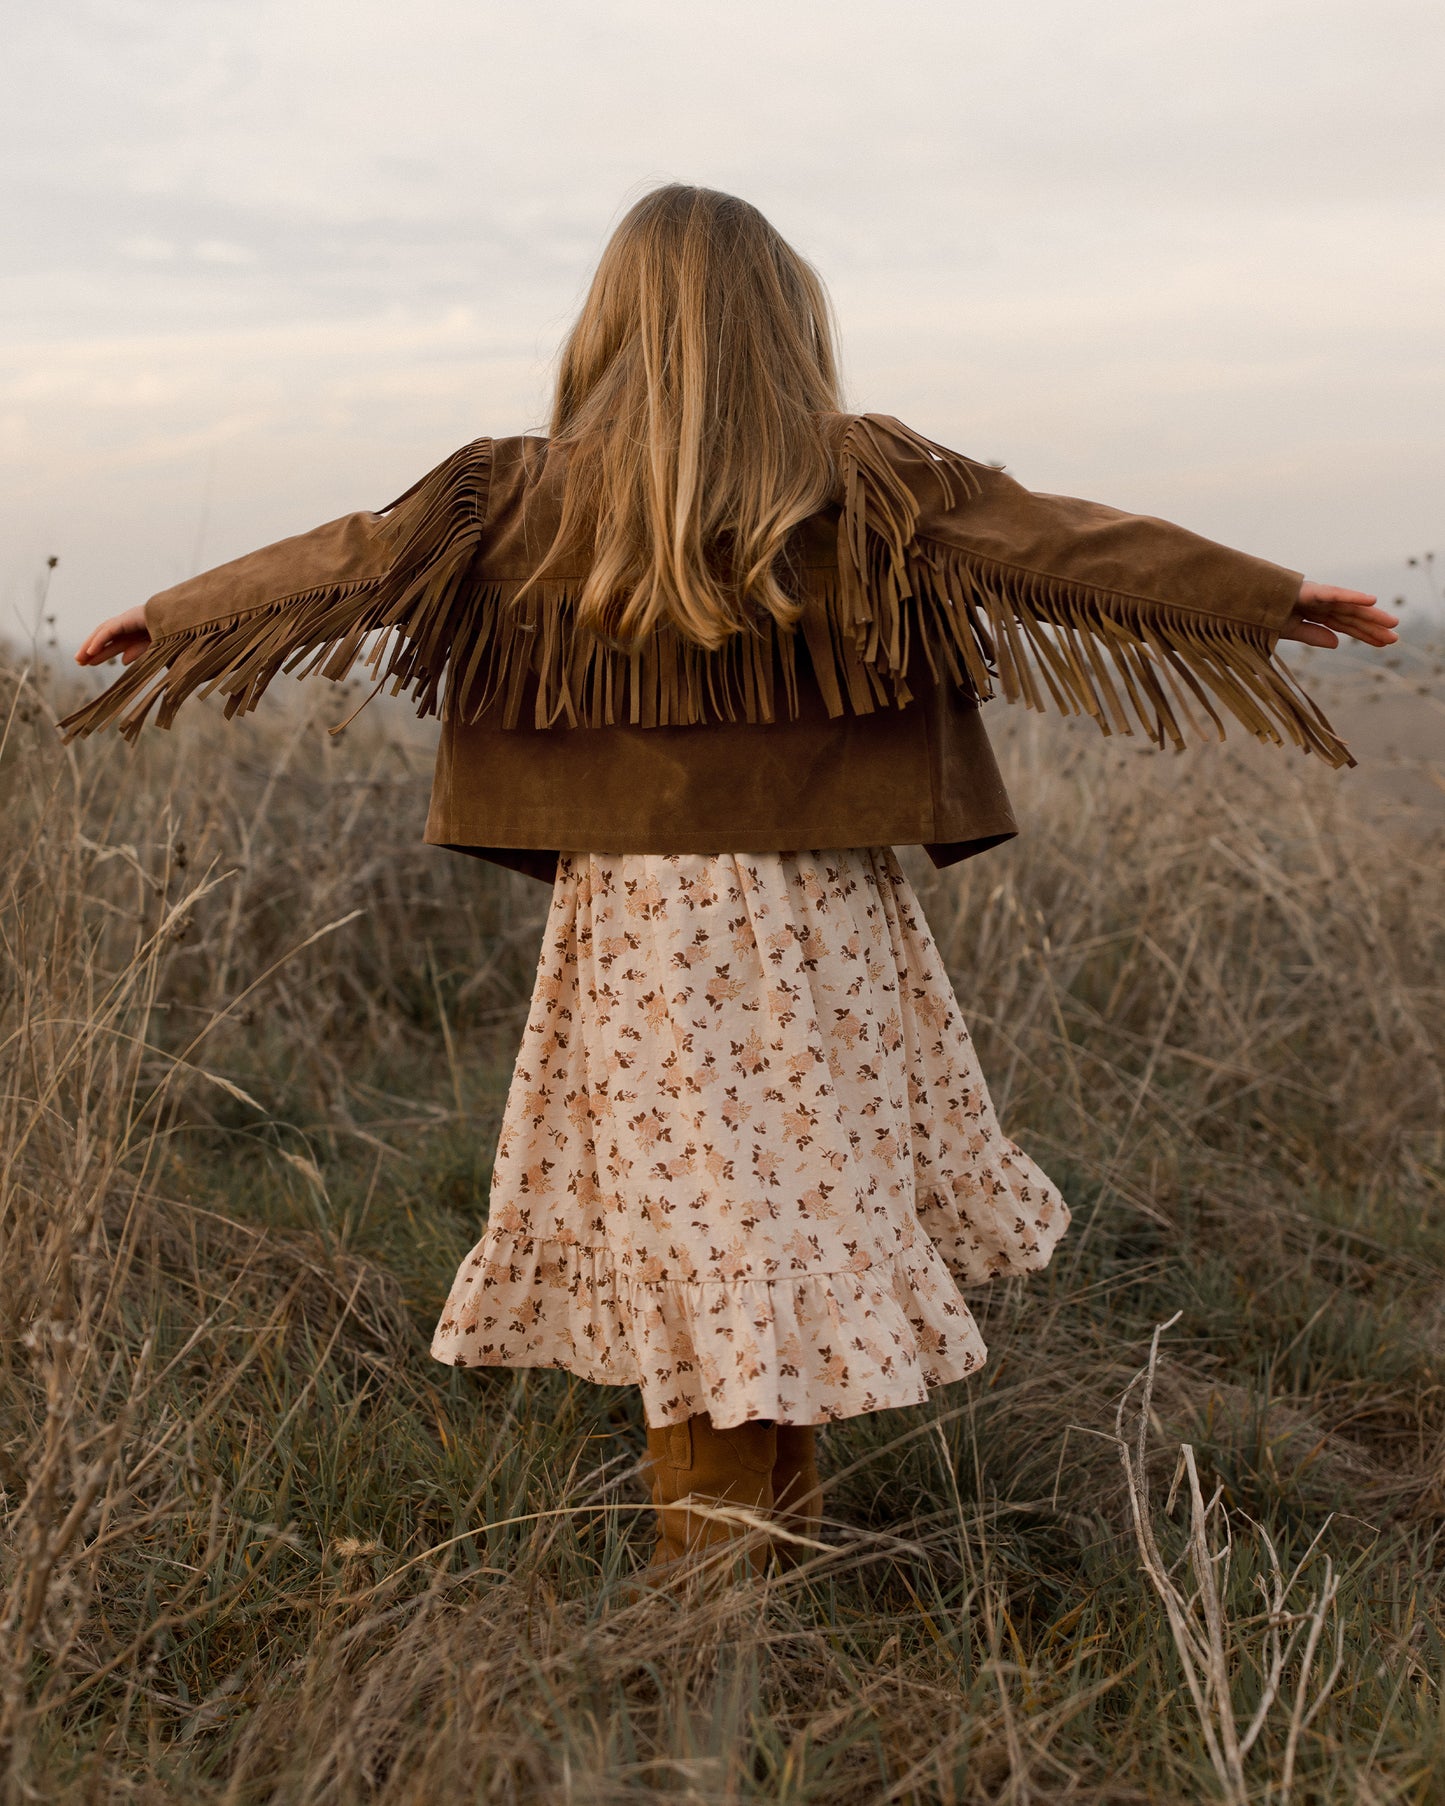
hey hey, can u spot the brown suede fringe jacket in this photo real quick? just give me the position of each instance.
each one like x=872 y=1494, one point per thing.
x=927 y=583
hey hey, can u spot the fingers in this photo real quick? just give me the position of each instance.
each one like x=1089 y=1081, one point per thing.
x=1328 y=610
x=98 y=646
x=1324 y=612
x=97 y=649
x=1312 y=593
x=1371 y=625
x=103 y=645
x=1311 y=633
x=1367 y=610
x=124 y=633
x=1351 y=611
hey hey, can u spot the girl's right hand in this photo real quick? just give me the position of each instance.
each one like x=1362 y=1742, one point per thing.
x=126 y=634
x=1324 y=612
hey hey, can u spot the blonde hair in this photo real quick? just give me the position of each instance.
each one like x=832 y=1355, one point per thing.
x=693 y=401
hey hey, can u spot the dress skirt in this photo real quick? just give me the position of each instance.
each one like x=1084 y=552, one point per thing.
x=748 y=1157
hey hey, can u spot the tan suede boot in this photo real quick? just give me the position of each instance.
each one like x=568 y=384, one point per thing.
x=692 y=1460
x=797 y=1490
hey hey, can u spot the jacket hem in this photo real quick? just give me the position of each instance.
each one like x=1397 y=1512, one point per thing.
x=541 y=862
x=728 y=838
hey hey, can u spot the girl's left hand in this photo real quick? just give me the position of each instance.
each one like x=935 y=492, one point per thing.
x=1323 y=613
x=126 y=634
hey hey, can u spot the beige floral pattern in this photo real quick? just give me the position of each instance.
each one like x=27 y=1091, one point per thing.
x=747 y=1156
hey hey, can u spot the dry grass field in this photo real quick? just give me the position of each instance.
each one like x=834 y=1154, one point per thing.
x=254 y=1041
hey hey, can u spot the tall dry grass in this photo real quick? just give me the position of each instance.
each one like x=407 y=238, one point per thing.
x=258 y=1547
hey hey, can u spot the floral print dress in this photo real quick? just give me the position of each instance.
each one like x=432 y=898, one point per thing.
x=747 y=1157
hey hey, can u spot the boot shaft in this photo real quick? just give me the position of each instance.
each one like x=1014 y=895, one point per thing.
x=695 y=1461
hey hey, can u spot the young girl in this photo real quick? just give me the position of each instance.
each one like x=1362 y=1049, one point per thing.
x=703 y=656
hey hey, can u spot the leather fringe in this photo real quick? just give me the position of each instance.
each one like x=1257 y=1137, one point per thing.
x=420 y=605
x=463 y=648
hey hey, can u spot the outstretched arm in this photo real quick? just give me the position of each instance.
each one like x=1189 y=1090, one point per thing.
x=1056 y=601
x=311 y=602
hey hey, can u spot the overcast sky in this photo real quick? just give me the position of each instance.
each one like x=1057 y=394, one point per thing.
x=267 y=260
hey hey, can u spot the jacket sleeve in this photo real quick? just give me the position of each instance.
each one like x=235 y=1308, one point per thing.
x=1141 y=624
x=310 y=603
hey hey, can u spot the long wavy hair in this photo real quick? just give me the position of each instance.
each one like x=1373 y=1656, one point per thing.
x=693 y=402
